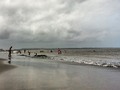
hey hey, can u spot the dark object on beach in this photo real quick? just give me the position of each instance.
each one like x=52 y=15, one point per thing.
x=24 y=51
x=59 y=51
x=51 y=51
x=35 y=54
x=19 y=52
x=41 y=51
x=22 y=55
x=29 y=53
x=9 y=55
x=9 y=61
x=1 y=50
x=41 y=56
x=10 y=50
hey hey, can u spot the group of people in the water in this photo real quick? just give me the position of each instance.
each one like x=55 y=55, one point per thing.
x=59 y=51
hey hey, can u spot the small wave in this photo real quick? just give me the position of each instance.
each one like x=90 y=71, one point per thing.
x=89 y=61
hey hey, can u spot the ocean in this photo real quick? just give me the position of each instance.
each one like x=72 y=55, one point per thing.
x=104 y=57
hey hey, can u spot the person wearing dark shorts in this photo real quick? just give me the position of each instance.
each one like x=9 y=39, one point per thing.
x=9 y=55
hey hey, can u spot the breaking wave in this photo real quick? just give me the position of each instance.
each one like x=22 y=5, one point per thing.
x=89 y=61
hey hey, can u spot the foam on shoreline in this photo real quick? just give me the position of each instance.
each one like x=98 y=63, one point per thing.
x=89 y=61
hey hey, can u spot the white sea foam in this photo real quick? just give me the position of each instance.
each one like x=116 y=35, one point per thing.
x=90 y=60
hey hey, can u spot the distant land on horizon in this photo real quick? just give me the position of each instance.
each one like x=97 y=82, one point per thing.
x=72 y=48
x=61 y=48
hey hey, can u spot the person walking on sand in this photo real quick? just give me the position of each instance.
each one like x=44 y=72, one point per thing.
x=9 y=55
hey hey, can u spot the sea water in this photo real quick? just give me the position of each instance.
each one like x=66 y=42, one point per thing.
x=105 y=57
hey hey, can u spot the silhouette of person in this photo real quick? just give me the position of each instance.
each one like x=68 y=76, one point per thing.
x=51 y=51
x=9 y=55
x=59 y=51
x=29 y=53
x=35 y=54
x=19 y=51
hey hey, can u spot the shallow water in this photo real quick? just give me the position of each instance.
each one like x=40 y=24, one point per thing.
x=105 y=57
x=46 y=74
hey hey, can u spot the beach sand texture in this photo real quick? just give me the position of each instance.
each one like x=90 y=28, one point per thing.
x=5 y=67
x=26 y=73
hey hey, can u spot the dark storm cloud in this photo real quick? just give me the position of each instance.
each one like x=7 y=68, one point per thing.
x=59 y=20
x=5 y=34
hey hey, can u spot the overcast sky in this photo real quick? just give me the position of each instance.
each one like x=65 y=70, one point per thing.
x=59 y=23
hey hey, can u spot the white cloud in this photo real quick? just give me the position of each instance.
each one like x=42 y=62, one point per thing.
x=63 y=20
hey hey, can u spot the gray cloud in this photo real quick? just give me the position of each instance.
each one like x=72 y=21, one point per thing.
x=59 y=20
x=4 y=34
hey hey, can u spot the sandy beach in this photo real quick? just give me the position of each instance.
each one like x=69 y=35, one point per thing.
x=5 y=67
x=26 y=73
x=59 y=44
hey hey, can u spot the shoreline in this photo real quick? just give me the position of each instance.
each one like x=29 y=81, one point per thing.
x=5 y=67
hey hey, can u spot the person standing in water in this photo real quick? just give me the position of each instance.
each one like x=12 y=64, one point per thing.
x=29 y=53
x=9 y=55
x=59 y=51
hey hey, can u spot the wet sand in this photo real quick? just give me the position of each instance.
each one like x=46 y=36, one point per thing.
x=46 y=74
x=43 y=74
x=5 y=67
